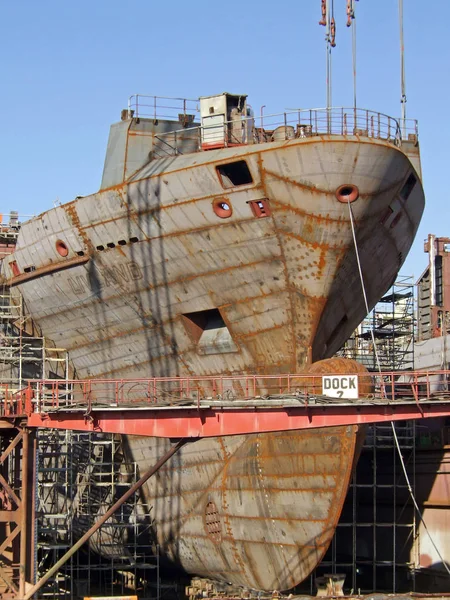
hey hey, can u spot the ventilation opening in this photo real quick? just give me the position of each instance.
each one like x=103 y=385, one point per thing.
x=213 y=524
x=408 y=187
x=14 y=268
x=209 y=331
x=235 y=173
x=260 y=208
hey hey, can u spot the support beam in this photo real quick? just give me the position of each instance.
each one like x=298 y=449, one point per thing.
x=27 y=511
x=183 y=422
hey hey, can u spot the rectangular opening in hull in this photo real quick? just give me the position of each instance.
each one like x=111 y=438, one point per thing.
x=234 y=174
x=408 y=187
x=209 y=331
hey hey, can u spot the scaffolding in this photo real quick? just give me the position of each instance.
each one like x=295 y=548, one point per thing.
x=24 y=353
x=391 y=325
x=376 y=540
x=78 y=477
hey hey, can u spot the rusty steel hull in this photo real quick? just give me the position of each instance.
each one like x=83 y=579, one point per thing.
x=268 y=512
x=143 y=256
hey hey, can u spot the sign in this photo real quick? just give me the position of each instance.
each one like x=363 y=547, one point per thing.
x=340 y=386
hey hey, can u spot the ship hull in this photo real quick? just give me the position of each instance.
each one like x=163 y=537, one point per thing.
x=269 y=508
x=285 y=286
x=146 y=258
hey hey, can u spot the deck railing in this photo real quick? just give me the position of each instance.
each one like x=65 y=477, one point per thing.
x=304 y=123
x=44 y=396
x=162 y=107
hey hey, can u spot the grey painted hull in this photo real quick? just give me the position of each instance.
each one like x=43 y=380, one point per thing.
x=256 y=511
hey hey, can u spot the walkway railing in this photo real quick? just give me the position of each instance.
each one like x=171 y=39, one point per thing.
x=162 y=107
x=45 y=396
x=305 y=123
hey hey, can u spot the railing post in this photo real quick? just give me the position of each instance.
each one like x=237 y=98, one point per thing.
x=28 y=400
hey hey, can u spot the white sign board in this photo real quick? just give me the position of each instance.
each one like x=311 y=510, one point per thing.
x=340 y=386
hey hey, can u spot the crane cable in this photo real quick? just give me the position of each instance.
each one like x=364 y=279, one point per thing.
x=402 y=69
x=353 y=25
x=410 y=490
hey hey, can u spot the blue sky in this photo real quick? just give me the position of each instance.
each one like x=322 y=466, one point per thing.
x=68 y=68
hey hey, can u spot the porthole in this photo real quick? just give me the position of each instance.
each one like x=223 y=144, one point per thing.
x=222 y=208
x=62 y=248
x=347 y=193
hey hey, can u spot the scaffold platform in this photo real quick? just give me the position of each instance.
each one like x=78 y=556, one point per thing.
x=195 y=407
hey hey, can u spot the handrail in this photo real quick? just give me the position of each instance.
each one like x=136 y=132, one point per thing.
x=144 y=105
x=299 y=123
x=50 y=395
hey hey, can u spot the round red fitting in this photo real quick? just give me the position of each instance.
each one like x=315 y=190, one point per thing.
x=222 y=208
x=347 y=193
x=62 y=248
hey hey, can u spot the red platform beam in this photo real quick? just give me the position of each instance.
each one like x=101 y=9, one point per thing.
x=210 y=422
